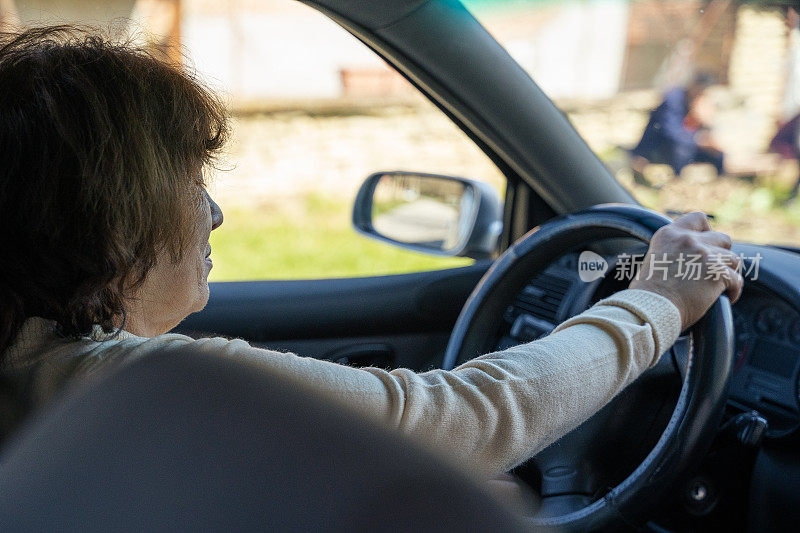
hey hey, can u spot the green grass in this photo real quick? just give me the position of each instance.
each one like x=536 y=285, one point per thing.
x=313 y=238
x=308 y=238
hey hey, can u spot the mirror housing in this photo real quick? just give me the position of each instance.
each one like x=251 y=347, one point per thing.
x=429 y=213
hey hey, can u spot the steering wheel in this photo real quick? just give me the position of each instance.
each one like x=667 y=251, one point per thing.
x=700 y=403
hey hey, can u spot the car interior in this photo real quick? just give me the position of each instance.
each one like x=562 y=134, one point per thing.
x=708 y=439
x=265 y=457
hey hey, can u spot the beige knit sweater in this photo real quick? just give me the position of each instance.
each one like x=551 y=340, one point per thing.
x=490 y=414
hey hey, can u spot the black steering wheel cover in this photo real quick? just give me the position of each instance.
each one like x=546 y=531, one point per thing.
x=701 y=402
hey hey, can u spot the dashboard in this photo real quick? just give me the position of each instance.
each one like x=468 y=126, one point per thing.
x=766 y=371
x=767 y=358
x=752 y=469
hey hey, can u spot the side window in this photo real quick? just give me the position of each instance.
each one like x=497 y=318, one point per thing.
x=314 y=113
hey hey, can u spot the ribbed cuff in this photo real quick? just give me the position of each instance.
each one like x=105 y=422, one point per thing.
x=656 y=310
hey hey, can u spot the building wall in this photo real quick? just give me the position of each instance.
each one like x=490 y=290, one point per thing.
x=264 y=50
x=85 y=11
x=574 y=49
x=757 y=75
x=571 y=49
x=272 y=49
x=667 y=41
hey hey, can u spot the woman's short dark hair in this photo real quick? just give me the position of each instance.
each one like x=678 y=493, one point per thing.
x=103 y=147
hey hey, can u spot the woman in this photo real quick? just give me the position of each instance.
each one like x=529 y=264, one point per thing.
x=106 y=224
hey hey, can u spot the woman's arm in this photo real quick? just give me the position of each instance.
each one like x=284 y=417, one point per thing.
x=499 y=409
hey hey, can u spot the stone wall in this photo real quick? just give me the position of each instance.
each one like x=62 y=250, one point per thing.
x=280 y=155
x=757 y=74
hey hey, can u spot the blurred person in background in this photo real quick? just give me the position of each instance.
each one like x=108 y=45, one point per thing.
x=786 y=142
x=678 y=132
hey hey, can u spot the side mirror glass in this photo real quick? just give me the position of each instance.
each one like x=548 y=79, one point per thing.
x=429 y=213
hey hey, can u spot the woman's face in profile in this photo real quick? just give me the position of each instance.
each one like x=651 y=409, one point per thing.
x=172 y=291
x=209 y=220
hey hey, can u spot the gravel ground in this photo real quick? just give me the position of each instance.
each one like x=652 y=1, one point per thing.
x=279 y=157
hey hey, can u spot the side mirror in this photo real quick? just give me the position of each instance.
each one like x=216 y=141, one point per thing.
x=427 y=213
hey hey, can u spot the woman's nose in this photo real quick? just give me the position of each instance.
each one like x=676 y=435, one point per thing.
x=216 y=213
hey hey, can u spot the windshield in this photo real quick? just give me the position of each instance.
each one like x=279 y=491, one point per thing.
x=691 y=104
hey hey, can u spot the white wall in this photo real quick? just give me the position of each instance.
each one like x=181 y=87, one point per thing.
x=283 y=49
x=292 y=53
x=85 y=11
x=577 y=53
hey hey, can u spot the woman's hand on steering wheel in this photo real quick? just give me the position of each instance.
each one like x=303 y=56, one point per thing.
x=668 y=271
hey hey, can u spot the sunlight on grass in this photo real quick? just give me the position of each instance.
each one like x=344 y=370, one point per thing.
x=312 y=237
x=306 y=238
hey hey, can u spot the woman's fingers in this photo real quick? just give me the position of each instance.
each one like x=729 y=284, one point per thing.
x=695 y=221
x=695 y=265
x=725 y=266
x=722 y=263
x=733 y=286
x=724 y=256
x=717 y=238
x=698 y=221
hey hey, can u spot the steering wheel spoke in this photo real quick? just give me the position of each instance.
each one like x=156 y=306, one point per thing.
x=564 y=475
x=563 y=504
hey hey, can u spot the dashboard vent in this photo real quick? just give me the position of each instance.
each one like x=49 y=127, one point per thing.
x=542 y=297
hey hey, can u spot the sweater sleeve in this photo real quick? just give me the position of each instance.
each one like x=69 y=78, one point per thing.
x=497 y=410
